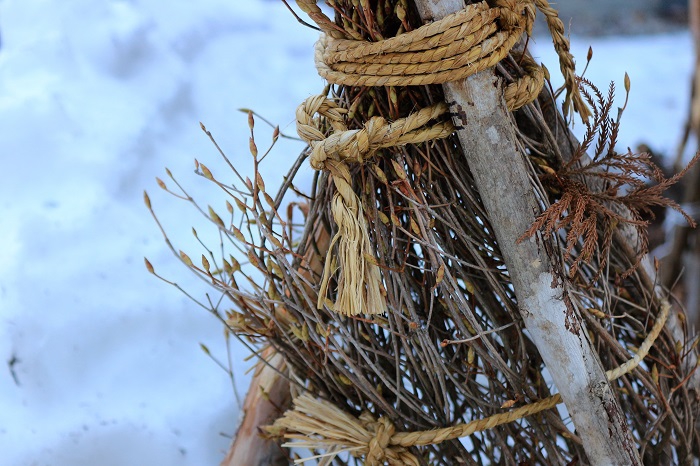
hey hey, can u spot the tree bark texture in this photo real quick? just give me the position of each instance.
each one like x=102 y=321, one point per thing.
x=488 y=141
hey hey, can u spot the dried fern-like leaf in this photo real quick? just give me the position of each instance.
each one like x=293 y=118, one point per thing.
x=601 y=191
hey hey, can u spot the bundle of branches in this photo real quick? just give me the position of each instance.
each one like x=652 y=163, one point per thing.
x=444 y=343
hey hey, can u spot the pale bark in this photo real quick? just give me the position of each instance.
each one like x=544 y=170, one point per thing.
x=488 y=141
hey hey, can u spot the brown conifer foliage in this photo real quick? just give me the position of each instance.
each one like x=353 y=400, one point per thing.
x=600 y=190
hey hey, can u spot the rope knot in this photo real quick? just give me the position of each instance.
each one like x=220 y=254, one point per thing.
x=511 y=14
x=360 y=289
x=378 y=447
x=354 y=146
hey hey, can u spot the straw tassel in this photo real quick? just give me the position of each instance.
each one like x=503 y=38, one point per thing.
x=360 y=289
x=359 y=282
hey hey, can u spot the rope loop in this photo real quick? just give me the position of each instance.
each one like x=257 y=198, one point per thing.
x=451 y=49
x=378 y=448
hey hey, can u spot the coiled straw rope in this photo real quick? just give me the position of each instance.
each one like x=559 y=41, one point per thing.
x=316 y=424
x=451 y=49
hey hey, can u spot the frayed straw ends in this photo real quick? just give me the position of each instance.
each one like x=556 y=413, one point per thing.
x=319 y=425
x=360 y=289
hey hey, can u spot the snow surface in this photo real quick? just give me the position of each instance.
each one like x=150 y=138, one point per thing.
x=95 y=99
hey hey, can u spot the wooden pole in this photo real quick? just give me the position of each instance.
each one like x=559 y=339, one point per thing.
x=269 y=393
x=267 y=398
x=488 y=142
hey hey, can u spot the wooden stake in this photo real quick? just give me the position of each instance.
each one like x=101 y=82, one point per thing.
x=488 y=142
x=267 y=398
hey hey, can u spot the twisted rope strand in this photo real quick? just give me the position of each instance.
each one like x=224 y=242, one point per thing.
x=359 y=282
x=573 y=100
x=474 y=60
x=444 y=32
x=311 y=8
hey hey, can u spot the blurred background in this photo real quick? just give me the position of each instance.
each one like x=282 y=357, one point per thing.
x=600 y=17
x=102 y=362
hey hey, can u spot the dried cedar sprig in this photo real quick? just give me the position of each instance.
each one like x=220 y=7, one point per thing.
x=599 y=191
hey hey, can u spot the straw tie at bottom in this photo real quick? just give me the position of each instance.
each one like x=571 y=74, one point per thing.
x=317 y=424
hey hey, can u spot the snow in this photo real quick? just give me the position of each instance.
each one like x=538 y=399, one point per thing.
x=95 y=99
x=659 y=68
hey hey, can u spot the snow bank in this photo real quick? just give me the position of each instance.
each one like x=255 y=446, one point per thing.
x=95 y=99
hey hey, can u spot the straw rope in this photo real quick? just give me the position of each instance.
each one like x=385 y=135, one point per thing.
x=527 y=88
x=359 y=281
x=412 y=60
x=573 y=101
x=451 y=49
x=317 y=424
